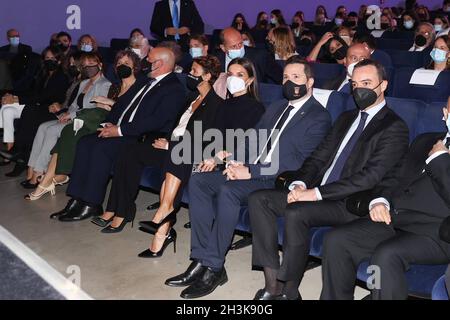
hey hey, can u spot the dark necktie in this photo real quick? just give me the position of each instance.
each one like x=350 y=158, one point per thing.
x=136 y=102
x=277 y=129
x=335 y=173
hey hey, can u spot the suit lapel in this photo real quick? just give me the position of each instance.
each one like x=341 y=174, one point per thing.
x=167 y=13
x=300 y=114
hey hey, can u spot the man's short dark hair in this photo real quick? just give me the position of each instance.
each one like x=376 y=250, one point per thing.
x=64 y=34
x=298 y=60
x=369 y=62
x=366 y=38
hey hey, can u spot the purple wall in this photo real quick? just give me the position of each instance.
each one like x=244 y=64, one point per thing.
x=107 y=19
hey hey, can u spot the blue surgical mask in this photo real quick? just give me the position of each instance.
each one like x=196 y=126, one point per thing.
x=86 y=48
x=238 y=53
x=14 y=41
x=438 y=55
x=273 y=20
x=196 y=52
x=438 y=27
x=408 y=24
x=338 y=21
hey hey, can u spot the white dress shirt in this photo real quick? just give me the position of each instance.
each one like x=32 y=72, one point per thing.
x=347 y=79
x=298 y=104
x=415 y=48
x=181 y=127
x=154 y=83
x=427 y=161
x=371 y=113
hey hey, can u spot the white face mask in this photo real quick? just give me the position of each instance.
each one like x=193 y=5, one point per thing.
x=236 y=53
x=137 y=51
x=247 y=43
x=350 y=68
x=196 y=52
x=235 y=84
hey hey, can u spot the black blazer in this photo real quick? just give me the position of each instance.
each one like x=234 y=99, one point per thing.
x=189 y=17
x=379 y=149
x=158 y=110
x=267 y=69
x=420 y=200
x=23 y=49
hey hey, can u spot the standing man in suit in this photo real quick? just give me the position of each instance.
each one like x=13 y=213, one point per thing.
x=355 y=54
x=363 y=146
x=232 y=46
x=176 y=20
x=295 y=127
x=409 y=223
x=15 y=46
x=153 y=110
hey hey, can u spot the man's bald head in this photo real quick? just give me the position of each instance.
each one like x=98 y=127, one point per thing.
x=356 y=53
x=231 y=39
x=11 y=33
x=162 y=60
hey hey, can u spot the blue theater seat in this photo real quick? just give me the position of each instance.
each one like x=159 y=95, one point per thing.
x=397 y=44
x=440 y=291
x=399 y=35
x=430 y=118
x=404 y=58
x=409 y=111
x=440 y=91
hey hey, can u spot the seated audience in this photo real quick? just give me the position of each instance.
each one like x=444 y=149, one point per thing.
x=139 y=45
x=297 y=25
x=87 y=43
x=15 y=46
x=152 y=110
x=247 y=39
x=441 y=25
x=216 y=199
x=440 y=54
x=280 y=43
x=405 y=220
x=277 y=18
x=330 y=48
x=83 y=108
x=363 y=146
x=410 y=21
x=321 y=16
x=259 y=31
x=32 y=109
x=198 y=46
x=202 y=108
x=239 y=23
x=424 y=37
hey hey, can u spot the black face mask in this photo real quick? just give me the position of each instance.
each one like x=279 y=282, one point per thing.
x=420 y=40
x=269 y=46
x=340 y=53
x=292 y=91
x=90 y=71
x=73 y=71
x=295 y=25
x=192 y=82
x=146 y=66
x=364 y=97
x=124 y=71
x=63 y=47
x=51 y=65
x=384 y=26
x=305 y=42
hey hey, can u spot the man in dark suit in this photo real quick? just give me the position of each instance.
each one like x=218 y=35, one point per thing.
x=296 y=126
x=355 y=53
x=15 y=46
x=363 y=146
x=232 y=46
x=407 y=225
x=176 y=20
x=153 y=110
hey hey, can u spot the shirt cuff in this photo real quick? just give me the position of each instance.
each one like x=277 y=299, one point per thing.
x=318 y=194
x=379 y=200
x=434 y=155
x=120 y=132
x=296 y=183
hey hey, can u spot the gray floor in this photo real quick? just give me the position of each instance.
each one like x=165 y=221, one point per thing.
x=110 y=268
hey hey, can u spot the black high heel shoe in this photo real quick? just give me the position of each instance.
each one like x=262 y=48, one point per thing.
x=99 y=221
x=171 y=217
x=111 y=229
x=171 y=237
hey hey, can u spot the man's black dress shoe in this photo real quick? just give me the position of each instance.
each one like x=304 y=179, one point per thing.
x=27 y=185
x=81 y=212
x=19 y=168
x=206 y=284
x=262 y=294
x=4 y=162
x=69 y=206
x=192 y=273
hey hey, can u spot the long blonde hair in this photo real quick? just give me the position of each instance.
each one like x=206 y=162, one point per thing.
x=284 y=42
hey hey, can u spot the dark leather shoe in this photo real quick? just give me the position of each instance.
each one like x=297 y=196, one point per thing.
x=27 y=185
x=147 y=226
x=4 y=162
x=69 y=206
x=81 y=212
x=192 y=273
x=19 y=168
x=206 y=284
x=262 y=294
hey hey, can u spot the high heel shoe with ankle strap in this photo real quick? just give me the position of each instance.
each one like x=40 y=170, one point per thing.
x=171 y=217
x=37 y=195
x=61 y=183
x=169 y=238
